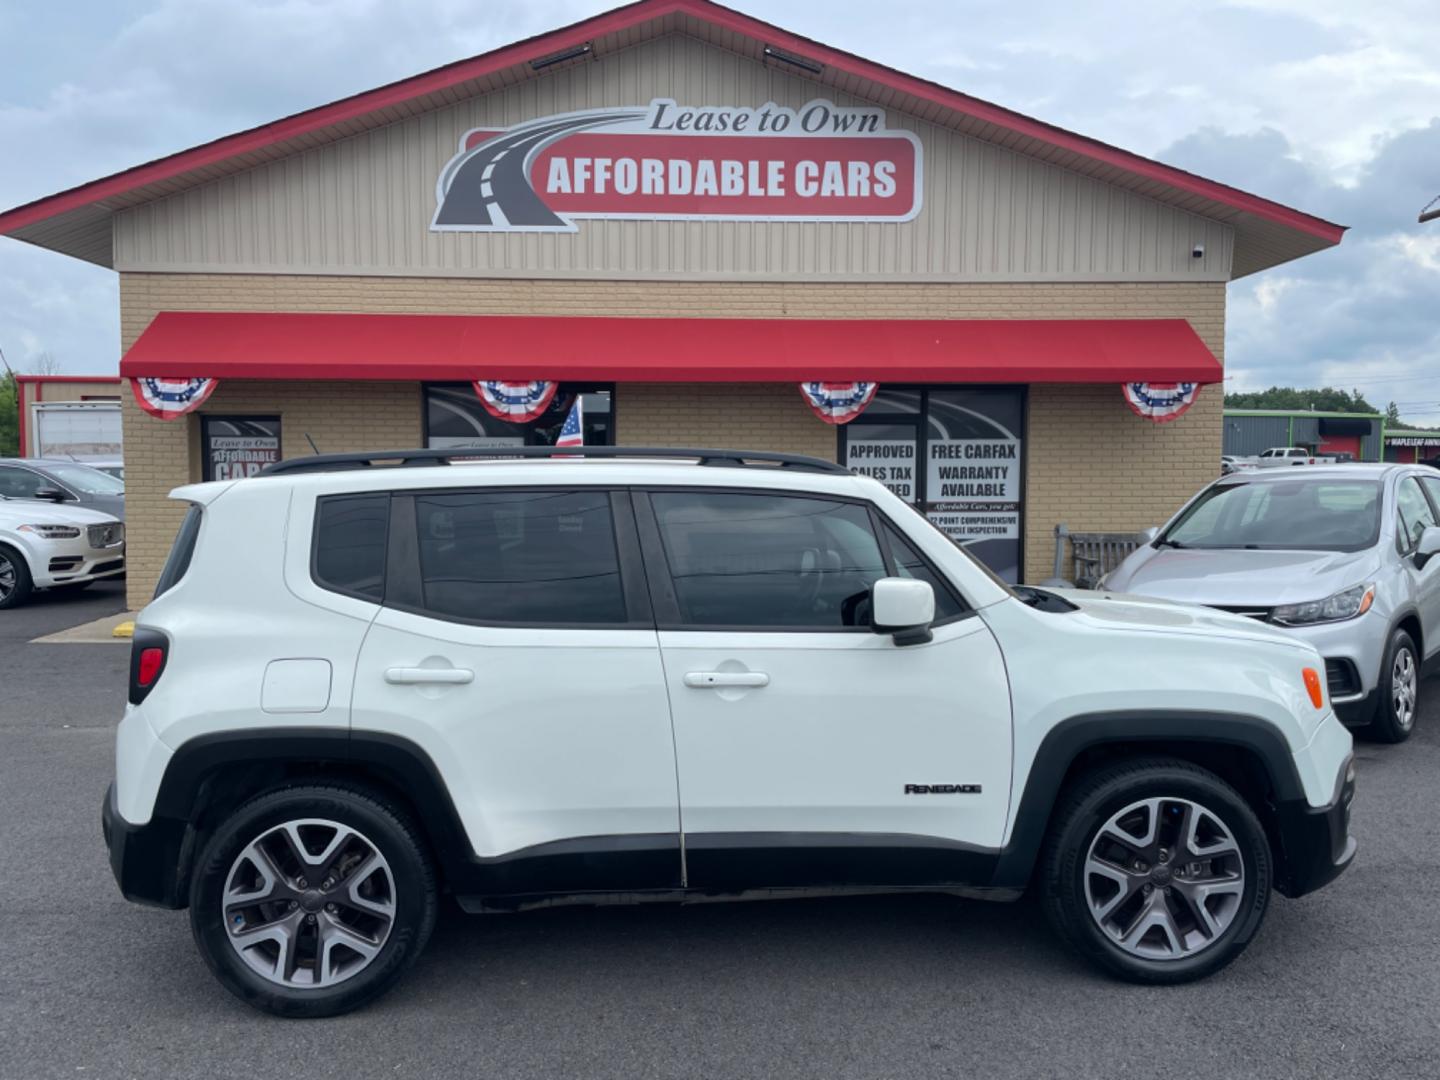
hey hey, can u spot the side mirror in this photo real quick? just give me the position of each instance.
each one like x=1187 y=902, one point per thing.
x=903 y=608
x=1429 y=545
x=1147 y=536
x=50 y=494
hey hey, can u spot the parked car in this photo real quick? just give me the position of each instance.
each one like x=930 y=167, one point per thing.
x=1282 y=456
x=534 y=682
x=115 y=467
x=55 y=481
x=43 y=546
x=1230 y=463
x=1342 y=557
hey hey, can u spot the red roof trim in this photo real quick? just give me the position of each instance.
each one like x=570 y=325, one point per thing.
x=619 y=19
x=67 y=378
x=242 y=345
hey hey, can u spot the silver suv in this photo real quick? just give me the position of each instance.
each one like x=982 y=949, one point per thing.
x=1341 y=556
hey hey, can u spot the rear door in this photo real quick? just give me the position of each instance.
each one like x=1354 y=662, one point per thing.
x=515 y=646
x=811 y=750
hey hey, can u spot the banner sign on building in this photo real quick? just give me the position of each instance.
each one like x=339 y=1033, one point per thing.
x=517 y=402
x=667 y=161
x=168 y=399
x=838 y=402
x=1160 y=402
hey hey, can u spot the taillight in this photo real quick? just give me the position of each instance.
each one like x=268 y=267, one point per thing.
x=149 y=649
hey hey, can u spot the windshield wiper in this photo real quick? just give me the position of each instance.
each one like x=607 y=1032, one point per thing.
x=1171 y=544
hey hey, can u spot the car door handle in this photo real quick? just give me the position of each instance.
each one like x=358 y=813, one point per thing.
x=404 y=676
x=704 y=680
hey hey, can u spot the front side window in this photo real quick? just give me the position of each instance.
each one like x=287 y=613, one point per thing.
x=1415 y=514
x=350 y=538
x=910 y=564
x=1291 y=514
x=770 y=561
x=540 y=558
x=21 y=483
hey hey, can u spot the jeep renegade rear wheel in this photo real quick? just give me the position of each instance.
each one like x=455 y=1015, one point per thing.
x=1157 y=870
x=312 y=901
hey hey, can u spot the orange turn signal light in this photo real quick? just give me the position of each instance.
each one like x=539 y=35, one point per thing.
x=1315 y=688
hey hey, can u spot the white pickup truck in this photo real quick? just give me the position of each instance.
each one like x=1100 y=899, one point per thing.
x=1279 y=456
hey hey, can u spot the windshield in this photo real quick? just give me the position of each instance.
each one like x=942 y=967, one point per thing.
x=1295 y=515
x=86 y=480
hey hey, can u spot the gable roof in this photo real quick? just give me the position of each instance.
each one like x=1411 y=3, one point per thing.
x=77 y=221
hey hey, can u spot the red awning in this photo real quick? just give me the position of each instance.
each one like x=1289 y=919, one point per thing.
x=243 y=345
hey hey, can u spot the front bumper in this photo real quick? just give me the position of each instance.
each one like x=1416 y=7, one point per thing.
x=62 y=562
x=1358 y=645
x=146 y=859
x=1315 y=845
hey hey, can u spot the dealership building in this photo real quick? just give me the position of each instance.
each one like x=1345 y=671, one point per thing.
x=707 y=231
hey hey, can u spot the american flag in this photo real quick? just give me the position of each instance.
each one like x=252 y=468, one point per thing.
x=572 y=434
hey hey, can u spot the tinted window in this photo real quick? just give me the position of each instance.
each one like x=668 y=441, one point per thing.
x=545 y=558
x=909 y=563
x=350 y=532
x=21 y=483
x=181 y=551
x=1296 y=514
x=768 y=560
x=85 y=479
x=1414 y=511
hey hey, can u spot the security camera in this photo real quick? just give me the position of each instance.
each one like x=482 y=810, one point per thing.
x=1198 y=251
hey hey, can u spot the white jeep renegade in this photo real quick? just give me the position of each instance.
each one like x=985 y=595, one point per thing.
x=367 y=680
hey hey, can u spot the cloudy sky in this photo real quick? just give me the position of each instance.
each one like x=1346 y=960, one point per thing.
x=1332 y=106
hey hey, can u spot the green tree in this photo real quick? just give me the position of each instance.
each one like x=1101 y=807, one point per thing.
x=1324 y=399
x=9 y=416
x=1392 y=416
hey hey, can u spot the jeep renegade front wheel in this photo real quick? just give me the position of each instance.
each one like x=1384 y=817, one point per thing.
x=312 y=901
x=1157 y=870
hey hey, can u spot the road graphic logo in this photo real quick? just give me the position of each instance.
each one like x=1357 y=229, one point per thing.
x=664 y=161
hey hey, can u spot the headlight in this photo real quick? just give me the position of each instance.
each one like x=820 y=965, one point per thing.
x=51 y=532
x=1337 y=608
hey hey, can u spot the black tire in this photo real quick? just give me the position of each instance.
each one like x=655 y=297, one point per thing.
x=73 y=586
x=391 y=832
x=1390 y=724
x=18 y=592
x=1087 y=805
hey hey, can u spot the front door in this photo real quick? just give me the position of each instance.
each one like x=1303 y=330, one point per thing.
x=1415 y=517
x=811 y=750
x=516 y=647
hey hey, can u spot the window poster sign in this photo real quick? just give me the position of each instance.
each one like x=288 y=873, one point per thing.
x=973 y=472
x=886 y=453
x=672 y=161
x=234 y=447
x=957 y=455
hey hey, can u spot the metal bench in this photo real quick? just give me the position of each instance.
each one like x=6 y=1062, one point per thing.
x=1093 y=555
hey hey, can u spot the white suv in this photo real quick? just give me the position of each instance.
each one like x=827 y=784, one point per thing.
x=45 y=546
x=367 y=680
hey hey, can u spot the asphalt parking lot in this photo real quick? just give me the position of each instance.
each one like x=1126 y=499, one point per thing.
x=1346 y=982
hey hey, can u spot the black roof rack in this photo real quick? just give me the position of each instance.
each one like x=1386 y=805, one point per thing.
x=444 y=456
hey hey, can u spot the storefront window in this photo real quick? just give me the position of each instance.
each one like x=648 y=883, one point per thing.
x=234 y=447
x=454 y=417
x=955 y=453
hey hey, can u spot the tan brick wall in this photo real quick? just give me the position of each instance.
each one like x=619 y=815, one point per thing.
x=1090 y=461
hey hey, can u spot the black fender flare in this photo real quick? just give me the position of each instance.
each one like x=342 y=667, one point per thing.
x=1154 y=731
x=391 y=760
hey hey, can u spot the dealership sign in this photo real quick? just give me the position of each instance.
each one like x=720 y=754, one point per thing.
x=665 y=161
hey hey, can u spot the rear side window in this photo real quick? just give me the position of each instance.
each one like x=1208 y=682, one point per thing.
x=772 y=561
x=537 y=558
x=1414 y=513
x=181 y=552
x=349 y=552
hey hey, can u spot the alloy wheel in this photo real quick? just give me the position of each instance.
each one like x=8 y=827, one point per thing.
x=309 y=903
x=1404 y=687
x=7 y=577
x=1164 y=878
